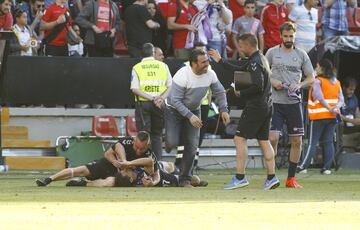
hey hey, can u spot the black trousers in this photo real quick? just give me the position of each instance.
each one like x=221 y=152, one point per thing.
x=51 y=50
x=93 y=51
x=151 y=119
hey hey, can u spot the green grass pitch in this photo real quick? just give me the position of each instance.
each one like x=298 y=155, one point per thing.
x=326 y=202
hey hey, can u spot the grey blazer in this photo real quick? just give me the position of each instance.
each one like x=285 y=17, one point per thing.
x=87 y=18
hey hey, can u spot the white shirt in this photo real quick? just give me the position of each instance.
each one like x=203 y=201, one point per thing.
x=24 y=39
x=305 y=21
x=78 y=48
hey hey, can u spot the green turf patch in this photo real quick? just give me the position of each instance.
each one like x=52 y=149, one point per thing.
x=342 y=185
x=326 y=202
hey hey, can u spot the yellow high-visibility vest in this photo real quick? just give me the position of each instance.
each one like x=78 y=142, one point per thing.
x=205 y=100
x=152 y=76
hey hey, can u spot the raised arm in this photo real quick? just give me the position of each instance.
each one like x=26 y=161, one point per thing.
x=115 y=155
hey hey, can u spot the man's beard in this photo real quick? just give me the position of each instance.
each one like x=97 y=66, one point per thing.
x=288 y=45
x=203 y=70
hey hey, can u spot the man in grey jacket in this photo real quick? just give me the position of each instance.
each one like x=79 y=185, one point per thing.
x=99 y=21
x=182 y=113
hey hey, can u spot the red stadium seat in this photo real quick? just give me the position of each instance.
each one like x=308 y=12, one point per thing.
x=131 y=129
x=350 y=18
x=104 y=126
x=353 y=21
x=357 y=17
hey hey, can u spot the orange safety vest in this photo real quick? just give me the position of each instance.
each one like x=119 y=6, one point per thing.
x=331 y=95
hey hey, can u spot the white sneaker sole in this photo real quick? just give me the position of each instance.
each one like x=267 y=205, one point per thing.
x=237 y=186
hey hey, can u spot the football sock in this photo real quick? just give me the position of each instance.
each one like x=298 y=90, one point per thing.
x=240 y=176
x=292 y=169
x=270 y=176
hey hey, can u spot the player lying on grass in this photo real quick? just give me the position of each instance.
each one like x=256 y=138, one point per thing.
x=126 y=149
x=160 y=174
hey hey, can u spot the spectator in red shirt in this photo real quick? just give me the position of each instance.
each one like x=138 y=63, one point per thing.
x=179 y=21
x=273 y=16
x=53 y=23
x=237 y=8
x=100 y=23
x=163 y=5
x=6 y=22
x=6 y=19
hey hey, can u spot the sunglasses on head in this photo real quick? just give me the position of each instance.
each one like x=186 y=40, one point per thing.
x=18 y=12
x=310 y=16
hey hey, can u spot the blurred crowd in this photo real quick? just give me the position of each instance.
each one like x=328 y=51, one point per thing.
x=104 y=28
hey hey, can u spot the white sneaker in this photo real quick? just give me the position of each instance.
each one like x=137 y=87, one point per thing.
x=304 y=171
x=326 y=172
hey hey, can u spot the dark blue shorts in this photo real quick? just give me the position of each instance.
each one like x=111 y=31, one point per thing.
x=291 y=115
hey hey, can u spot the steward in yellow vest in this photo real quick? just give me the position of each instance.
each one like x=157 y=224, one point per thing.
x=152 y=75
x=151 y=81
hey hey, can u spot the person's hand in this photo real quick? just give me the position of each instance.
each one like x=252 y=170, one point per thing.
x=125 y=164
x=335 y=110
x=294 y=87
x=237 y=93
x=191 y=28
x=96 y=29
x=157 y=26
x=158 y=101
x=112 y=33
x=277 y=84
x=215 y=55
x=147 y=181
x=61 y=19
x=25 y=48
x=116 y=163
x=225 y=118
x=344 y=118
x=39 y=14
x=195 y=121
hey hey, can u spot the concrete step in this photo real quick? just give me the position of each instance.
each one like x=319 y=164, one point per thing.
x=29 y=152
x=217 y=157
x=48 y=163
x=13 y=143
x=14 y=132
x=210 y=143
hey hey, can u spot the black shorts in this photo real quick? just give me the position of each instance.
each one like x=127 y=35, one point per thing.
x=100 y=169
x=254 y=123
x=291 y=115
